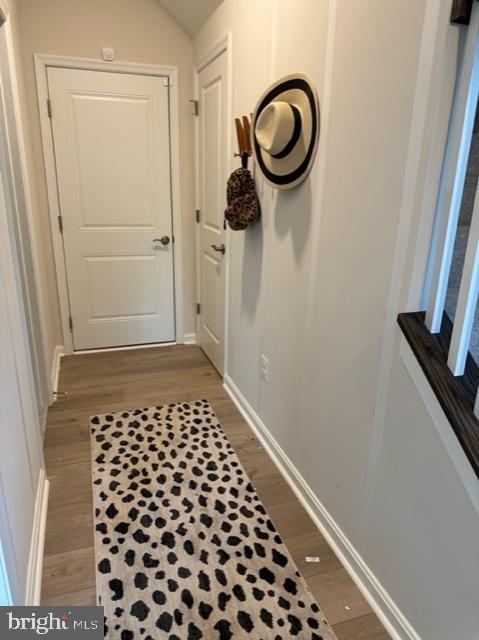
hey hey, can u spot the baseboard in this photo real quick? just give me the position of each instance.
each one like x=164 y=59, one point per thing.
x=188 y=338
x=35 y=561
x=380 y=601
x=56 y=364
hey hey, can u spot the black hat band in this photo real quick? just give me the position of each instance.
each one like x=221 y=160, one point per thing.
x=294 y=135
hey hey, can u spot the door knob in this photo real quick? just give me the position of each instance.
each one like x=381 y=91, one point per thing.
x=221 y=248
x=165 y=240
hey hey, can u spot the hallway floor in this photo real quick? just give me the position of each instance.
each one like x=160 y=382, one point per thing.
x=106 y=382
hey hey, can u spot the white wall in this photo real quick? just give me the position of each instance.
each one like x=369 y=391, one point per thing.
x=18 y=470
x=139 y=31
x=5 y=595
x=315 y=287
x=26 y=228
x=22 y=480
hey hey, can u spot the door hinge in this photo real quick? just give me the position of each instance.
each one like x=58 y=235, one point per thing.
x=196 y=107
x=70 y=323
x=198 y=308
x=197 y=214
x=60 y=224
x=49 y=107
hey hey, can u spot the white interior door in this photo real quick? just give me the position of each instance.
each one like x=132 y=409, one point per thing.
x=213 y=173
x=112 y=153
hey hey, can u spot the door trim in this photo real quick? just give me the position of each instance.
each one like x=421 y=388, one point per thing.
x=11 y=578
x=42 y=62
x=22 y=215
x=223 y=46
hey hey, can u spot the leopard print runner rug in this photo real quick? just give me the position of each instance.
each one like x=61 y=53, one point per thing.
x=184 y=547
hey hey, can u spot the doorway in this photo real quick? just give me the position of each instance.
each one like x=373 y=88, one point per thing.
x=213 y=93
x=110 y=138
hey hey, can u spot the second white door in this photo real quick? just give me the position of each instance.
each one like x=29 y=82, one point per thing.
x=112 y=153
x=214 y=128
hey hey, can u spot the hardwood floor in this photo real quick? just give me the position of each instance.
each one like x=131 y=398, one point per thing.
x=111 y=381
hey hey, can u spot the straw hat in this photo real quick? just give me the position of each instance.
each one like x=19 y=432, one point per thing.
x=285 y=131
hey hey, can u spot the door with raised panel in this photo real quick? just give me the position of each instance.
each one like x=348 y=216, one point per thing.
x=213 y=173
x=112 y=154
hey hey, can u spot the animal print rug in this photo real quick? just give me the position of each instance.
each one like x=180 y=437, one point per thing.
x=184 y=547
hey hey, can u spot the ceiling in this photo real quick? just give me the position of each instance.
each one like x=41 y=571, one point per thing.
x=190 y=14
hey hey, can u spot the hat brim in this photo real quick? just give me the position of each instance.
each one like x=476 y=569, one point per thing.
x=291 y=170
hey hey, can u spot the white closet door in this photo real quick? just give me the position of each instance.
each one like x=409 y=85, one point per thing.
x=112 y=151
x=214 y=130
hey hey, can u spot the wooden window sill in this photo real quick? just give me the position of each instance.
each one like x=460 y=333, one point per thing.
x=456 y=395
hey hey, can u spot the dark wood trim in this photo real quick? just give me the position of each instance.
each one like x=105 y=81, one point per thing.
x=461 y=11
x=456 y=395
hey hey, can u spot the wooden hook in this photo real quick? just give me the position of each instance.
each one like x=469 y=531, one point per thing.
x=247 y=134
x=240 y=134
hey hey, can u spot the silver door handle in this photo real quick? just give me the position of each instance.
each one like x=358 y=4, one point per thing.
x=221 y=248
x=165 y=240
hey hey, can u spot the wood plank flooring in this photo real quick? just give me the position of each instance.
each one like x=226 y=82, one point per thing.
x=111 y=381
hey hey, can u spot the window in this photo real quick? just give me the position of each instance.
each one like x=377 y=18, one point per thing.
x=445 y=338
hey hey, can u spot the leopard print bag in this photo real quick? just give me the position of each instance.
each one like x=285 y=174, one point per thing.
x=243 y=204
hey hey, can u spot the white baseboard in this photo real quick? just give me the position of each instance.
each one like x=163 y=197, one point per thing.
x=380 y=601
x=188 y=338
x=35 y=561
x=56 y=364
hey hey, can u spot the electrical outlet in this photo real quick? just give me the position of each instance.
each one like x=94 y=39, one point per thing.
x=264 y=368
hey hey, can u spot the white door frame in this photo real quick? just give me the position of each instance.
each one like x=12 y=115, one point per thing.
x=42 y=62
x=8 y=574
x=22 y=217
x=223 y=46
x=17 y=320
